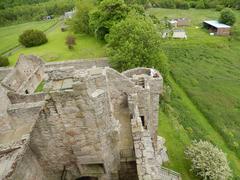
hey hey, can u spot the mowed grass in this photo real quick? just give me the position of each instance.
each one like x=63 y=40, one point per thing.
x=56 y=49
x=9 y=34
x=207 y=71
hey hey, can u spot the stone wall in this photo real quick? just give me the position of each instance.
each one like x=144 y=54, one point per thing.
x=4 y=71
x=79 y=64
x=91 y=121
x=17 y=162
x=26 y=75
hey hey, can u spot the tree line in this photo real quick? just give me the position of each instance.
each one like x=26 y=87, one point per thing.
x=198 y=4
x=34 y=12
x=4 y=4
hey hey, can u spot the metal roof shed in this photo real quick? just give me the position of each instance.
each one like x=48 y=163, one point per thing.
x=217 y=28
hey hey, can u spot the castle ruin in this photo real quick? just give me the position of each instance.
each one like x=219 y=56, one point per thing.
x=88 y=122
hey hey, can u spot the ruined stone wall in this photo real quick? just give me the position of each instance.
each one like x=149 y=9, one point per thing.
x=26 y=75
x=80 y=64
x=148 y=103
x=119 y=87
x=76 y=132
x=17 y=162
x=4 y=102
x=4 y=71
x=23 y=98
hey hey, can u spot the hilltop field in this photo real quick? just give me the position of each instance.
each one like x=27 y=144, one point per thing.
x=205 y=81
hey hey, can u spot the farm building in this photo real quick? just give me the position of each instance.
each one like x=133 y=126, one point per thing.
x=69 y=14
x=179 y=22
x=179 y=34
x=217 y=28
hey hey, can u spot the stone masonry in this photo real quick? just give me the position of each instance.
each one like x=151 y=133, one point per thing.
x=89 y=122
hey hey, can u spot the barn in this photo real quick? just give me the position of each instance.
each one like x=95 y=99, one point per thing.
x=217 y=28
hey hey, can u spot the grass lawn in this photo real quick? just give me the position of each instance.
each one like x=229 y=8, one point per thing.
x=9 y=34
x=56 y=49
x=206 y=87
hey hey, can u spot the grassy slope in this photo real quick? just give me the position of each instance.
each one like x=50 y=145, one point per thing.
x=207 y=69
x=9 y=34
x=56 y=50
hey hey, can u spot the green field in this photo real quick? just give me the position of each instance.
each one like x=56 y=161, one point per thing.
x=206 y=89
x=56 y=49
x=9 y=34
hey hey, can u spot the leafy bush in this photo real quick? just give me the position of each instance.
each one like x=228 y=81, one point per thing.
x=219 y=7
x=70 y=41
x=193 y=4
x=3 y=61
x=227 y=17
x=31 y=38
x=211 y=3
x=107 y=14
x=200 y=5
x=182 y=4
x=208 y=161
x=80 y=22
x=167 y=4
x=135 y=42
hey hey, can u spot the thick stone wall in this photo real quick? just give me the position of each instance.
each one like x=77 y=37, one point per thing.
x=17 y=162
x=91 y=121
x=79 y=64
x=26 y=75
x=4 y=71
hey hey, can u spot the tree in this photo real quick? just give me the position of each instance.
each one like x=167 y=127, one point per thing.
x=107 y=14
x=70 y=41
x=227 y=16
x=30 y=38
x=3 y=61
x=208 y=161
x=80 y=22
x=200 y=4
x=135 y=42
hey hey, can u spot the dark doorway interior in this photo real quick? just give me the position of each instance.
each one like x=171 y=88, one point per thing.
x=87 y=178
x=143 y=122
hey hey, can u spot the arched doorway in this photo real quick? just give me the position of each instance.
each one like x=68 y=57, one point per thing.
x=87 y=178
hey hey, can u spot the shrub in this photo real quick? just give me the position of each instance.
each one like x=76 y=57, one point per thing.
x=208 y=161
x=135 y=42
x=182 y=4
x=80 y=22
x=219 y=7
x=167 y=4
x=31 y=38
x=193 y=4
x=211 y=3
x=200 y=5
x=227 y=16
x=3 y=61
x=70 y=41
